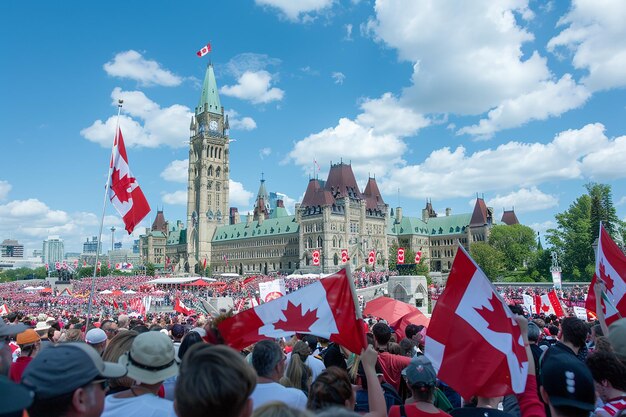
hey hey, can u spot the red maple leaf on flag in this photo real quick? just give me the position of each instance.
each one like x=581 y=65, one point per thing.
x=295 y=320
x=608 y=281
x=121 y=186
x=545 y=307
x=499 y=322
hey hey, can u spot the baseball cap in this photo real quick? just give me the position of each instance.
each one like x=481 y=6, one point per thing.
x=178 y=330
x=151 y=358
x=11 y=329
x=63 y=368
x=95 y=336
x=617 y=337
x=13 y=397
x=568 y=382
x=420 y=371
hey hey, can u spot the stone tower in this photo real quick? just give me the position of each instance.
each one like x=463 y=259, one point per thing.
x=207 y=190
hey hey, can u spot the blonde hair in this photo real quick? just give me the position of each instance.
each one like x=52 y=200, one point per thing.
x=298 y=373
x=119 y=345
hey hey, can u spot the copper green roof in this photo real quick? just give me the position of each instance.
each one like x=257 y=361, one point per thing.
x=286 y=225
x=436 y=226
x=278 y=212
x=177 y=237
x=209 y=95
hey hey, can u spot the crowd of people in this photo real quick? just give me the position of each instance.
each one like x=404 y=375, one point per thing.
x=116 y=364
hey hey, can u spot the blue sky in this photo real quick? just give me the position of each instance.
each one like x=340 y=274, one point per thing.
x=522 y=101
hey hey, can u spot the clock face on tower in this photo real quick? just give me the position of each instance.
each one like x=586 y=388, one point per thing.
x=213 y=125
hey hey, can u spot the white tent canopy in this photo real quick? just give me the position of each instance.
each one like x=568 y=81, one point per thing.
x=129 y=292
x=179 y=280
x=106 y=292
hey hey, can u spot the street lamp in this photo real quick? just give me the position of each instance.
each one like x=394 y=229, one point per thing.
x=594 y=245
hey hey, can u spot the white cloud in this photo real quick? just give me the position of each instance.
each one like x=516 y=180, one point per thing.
x=249 y=61
x=523 y=200
x=131 y=64
x=548 y=100
x=254 y=87
x=30 y=221
x=338 y=77
x=297 y=10
x=162 y=126
x=265 y=152
x=238 y=195
x=5 y=187
x=373 y=140
x=176 y=198
x=176 y=171
x=608 y=162
x=621 y=201
x=595 y=34
x=348 y=36
x=454 y=173
x=470 y=69
x=240 y=123
x=542 y=228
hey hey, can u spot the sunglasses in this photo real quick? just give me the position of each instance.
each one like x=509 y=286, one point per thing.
x=104 y=383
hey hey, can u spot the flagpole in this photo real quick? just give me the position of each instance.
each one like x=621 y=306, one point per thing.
x=104 y=205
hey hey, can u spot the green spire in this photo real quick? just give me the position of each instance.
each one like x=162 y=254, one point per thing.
x=209 y=97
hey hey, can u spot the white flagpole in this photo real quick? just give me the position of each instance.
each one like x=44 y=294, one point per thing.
x=104 y=205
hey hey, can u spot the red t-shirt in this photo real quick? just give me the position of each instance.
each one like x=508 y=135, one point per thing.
x=18 y=367
x=392 y=367
x=411 y=410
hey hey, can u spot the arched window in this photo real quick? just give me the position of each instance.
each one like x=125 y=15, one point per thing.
x=319 y=241
x=334 y=242
x=219 y=154
x=335 y=260
x=210 y=171
x=309 y=243
x=218 y=172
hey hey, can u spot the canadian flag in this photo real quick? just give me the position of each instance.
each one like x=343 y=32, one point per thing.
x=549 y=304
x=180 y=307
x=326 y=308
x=124 y=191
x=4 y=310
x=204 y=50
x=115 y=305
x=473 y=338
x=611 y=270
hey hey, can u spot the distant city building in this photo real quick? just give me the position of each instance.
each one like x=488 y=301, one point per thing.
x=120 y=256
x=117 y=245
x=71 y=256
x=53 y=250
x=91 y=246
x=136 y=246
x=37 y=253
x=10 y=248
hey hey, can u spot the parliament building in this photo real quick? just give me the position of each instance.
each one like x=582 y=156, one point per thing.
x=334 y=224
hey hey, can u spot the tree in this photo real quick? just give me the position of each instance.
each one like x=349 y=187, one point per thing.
x=150 y=269
x=490 y=259
x=572 y=239
x=602 y=210
x=516 y=243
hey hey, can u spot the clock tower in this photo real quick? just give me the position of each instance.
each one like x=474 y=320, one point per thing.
x=207 y=189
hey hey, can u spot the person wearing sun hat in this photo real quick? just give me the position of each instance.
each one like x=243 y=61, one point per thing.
x=30 y=344
x=69 y=379
x=150 y=361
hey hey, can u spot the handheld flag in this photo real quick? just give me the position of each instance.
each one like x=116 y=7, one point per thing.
x=473 y=338
x=204 y=50
x=611 y=270
x=124 y=191
x=326 y=308
x=180 y=307
x=549 y=304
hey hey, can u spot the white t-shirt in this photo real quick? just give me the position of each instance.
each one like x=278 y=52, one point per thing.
x=273 y=391
x=147 y=405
